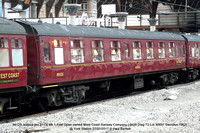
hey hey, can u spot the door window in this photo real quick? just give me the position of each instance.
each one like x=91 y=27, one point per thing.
x=46 y=52
x=58 y=51
x=17 y=52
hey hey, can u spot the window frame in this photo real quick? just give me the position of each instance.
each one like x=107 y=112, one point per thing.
x=197 y=49
x=49 y=52
x=58 y=45
x=99 y=49
x=174 y=49
x=163 y=48
x=135 y=48
x=82 y=48
x=113 y=51
x=17 y=46
x=179 y=48
x=150 y=49
x=193 y=49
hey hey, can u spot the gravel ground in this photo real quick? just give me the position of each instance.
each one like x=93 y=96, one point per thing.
x=172 y=110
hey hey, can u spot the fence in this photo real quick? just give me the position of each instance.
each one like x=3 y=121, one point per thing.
x=164 y=19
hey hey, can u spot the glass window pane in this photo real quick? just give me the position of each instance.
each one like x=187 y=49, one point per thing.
x=6 y=42
x=81 y=44
x=19 y=42
x=98 y=55
x=46 y=52
x=111 y=44
x=97 y=51
x=101 y=44
x=193 y=53
x=115 y=51
x=197 y=49
x=171 y=50
x=118 y=44
x=60 y=43
x=72 y=43
x=137 y=53
x=77 y=55
x=161 y=49
x=13 y=43
x=127 y=51
x=150 y=52
x=183 y=50
x=17 y=57
x=179 y=50
x=4 y=58
x=1 y=43
x=59 y=56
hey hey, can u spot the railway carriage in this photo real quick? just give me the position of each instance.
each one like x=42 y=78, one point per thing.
x=54 y=64
x=13 y=63
x=193 y=56
x=71 y=59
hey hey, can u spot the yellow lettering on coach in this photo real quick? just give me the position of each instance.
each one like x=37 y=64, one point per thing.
x=60 y=74
x=137 y=67
x=4 y=76
x=9 y=75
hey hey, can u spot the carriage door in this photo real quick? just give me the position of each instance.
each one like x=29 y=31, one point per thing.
x=46 y=60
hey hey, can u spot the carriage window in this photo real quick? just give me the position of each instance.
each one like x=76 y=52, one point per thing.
x=4 y=53
x=193 y=50
x=136 y=50
x=127 y=51
x=115 y=51
x=197 y=49
x=171 y=49
x=17 y=53
x=179 y=50
x=183 y=50
x=77 y=51
x=150 y=52
x=46 y=52
x=13 y=42
x=161 y=49
x=58 y=49
x=97 y=50
x=19 y=42
x=3 y=42
x=16 y=42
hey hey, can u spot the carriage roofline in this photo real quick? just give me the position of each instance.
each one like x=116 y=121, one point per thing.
x=11 y=27
x=46 y=29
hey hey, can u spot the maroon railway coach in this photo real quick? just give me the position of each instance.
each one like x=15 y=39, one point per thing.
x=65 y=59
x=13 y=62
x=193 y=56
x=56 y=64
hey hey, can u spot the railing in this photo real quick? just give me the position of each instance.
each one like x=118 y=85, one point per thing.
x=164 y=19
